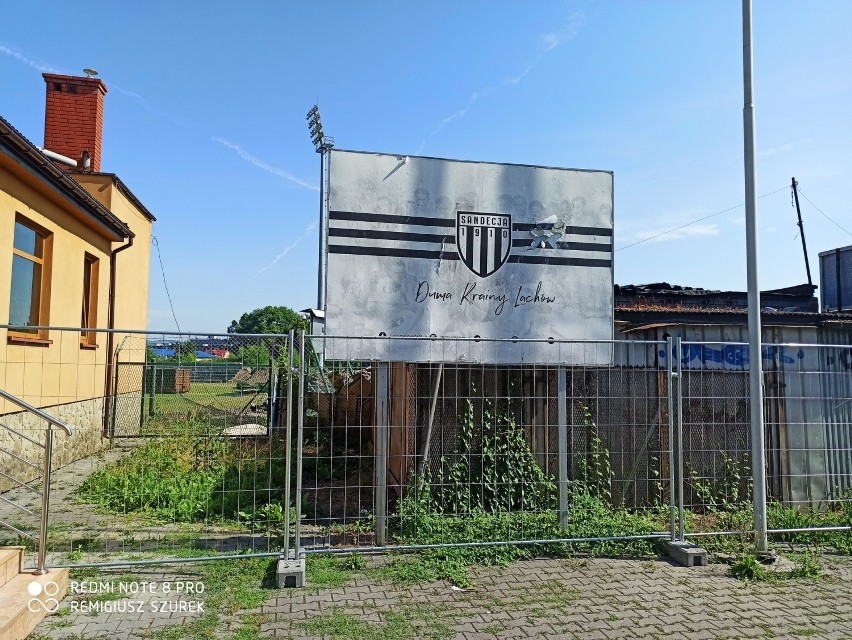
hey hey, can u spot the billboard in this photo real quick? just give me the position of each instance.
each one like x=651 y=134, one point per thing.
x=432 y=247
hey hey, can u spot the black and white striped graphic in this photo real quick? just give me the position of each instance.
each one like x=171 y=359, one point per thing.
x=483 y=241
x=432 y=238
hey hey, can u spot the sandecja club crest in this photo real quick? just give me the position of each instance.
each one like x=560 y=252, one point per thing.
x=483 y=240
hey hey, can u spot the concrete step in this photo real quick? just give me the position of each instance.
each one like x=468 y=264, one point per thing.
x=26 y=598
x=11 y=563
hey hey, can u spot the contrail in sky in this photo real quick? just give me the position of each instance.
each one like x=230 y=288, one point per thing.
x=30 y=62
x=548 y=42
x=260 y=164
x=46 y=68
x=289 y=247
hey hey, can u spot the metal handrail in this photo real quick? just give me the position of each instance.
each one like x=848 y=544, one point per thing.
x=45 y=485
x=41 y=414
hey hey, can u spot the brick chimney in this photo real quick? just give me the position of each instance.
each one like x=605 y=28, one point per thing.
x=74 y=116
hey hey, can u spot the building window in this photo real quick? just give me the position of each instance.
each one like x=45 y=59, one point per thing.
x=29 y=302
x=89 y=318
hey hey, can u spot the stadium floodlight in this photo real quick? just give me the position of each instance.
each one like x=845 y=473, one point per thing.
x=318 y=138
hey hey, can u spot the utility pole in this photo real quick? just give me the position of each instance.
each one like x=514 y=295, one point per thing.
x=758 y=455
x=802 y=232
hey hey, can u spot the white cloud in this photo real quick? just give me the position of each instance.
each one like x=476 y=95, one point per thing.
x=663 y=228
x=660 y=234
x=775 y=151
x=260 y=164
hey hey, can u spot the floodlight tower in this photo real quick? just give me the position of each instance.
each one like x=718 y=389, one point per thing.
x=323 y=145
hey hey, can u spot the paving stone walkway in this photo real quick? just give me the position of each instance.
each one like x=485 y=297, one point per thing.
x=589 y=599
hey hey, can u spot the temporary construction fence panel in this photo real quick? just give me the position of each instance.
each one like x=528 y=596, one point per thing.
x=292 y=446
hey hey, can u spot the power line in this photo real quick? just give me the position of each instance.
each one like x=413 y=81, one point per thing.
x=712 y=215
x=163 y=271
x=824 y=215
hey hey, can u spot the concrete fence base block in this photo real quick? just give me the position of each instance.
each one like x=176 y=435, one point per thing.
x=687 y=554
x=290 y=574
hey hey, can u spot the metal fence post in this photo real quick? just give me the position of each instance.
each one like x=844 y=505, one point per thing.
x=381 y=466
x=300 y=428
x=142 y=401
x=271 y=399
x=113 y=411
x=288 y=455
x=152 y=397
x=680 y=500
x=562 y=400
x=45 y=499
x=670 y=376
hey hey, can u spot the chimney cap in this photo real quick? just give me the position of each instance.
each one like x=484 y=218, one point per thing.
x=78 y=80
x=90 y=72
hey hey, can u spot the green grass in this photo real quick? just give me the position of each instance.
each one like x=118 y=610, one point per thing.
x=805 y=631
x=406 y=622
x=229 y=587
x=218 y=396
x=588 y=516
x=332 y=570
x=748 y=568
x=191 y=477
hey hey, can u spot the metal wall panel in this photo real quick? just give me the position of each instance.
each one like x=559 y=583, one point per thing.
x=835 y=278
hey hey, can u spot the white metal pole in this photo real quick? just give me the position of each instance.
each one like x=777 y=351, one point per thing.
x=754 y=334
x=323 y=230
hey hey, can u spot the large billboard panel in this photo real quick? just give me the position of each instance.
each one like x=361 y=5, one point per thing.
x=432 y=247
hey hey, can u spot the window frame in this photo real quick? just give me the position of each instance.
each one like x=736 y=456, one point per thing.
x=45 y=261
x=89 y=311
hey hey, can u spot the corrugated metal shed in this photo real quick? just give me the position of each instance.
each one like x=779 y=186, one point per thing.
x=807 y=358
x=835 y=276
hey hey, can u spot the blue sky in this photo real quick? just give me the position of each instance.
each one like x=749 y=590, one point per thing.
x=205 y=122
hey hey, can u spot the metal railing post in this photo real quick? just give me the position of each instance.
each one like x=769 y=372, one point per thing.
x=48 y=459
x=288 y=456
x=680 y=500
x=670 y=376
x=562 y=411
x=45 y=499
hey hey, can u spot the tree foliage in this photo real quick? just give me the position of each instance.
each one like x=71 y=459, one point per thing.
x=268 y=320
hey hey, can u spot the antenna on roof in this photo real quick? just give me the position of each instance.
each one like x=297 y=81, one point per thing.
x=90 y=72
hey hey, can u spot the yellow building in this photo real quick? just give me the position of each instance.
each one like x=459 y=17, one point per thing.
x=74 y=252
